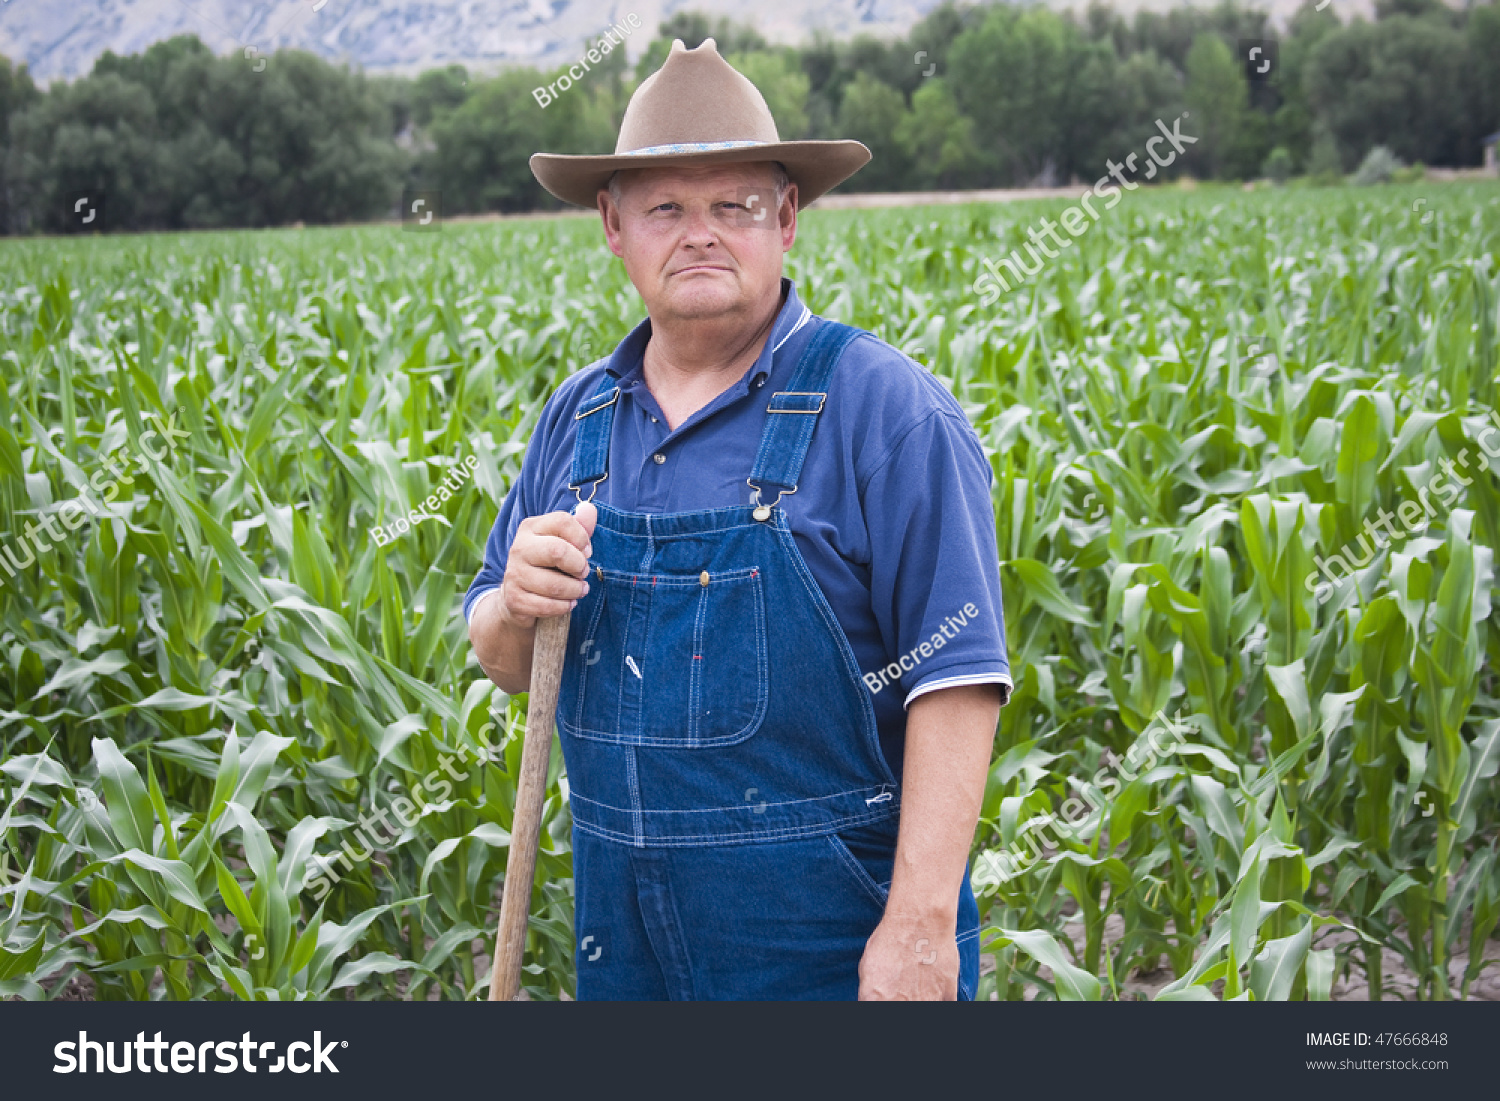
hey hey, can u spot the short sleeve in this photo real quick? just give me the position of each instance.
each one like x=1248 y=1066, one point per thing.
x=935 y=570
x=527 y=495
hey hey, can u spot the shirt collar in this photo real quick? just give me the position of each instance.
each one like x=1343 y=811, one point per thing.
x=627 y=363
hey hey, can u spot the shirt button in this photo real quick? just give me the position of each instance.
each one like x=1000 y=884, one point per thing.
x=659 y=458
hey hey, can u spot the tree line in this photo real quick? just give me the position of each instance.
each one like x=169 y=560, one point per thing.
x=994 y=95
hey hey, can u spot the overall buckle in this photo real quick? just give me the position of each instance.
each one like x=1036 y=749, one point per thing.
x=763 y=512
x=593 y=489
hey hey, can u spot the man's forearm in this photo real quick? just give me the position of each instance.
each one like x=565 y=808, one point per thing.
x=502 y=646
x=949 y=737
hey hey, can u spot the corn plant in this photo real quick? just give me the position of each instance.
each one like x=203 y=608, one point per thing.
x=216 y=677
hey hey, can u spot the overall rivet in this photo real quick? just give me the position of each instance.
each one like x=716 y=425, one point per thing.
x=762 y=512
x=703 y=579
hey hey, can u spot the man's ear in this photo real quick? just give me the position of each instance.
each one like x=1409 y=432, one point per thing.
x=787 y=216
x=609 y=214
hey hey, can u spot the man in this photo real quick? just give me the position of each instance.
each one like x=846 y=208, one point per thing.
x=757 y=814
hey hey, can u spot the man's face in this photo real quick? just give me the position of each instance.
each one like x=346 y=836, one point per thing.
x=701 y=243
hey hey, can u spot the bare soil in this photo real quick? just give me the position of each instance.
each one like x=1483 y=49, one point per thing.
x=1350 y=983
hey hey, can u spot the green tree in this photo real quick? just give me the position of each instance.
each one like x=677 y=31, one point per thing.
x=1482 y=76
x=1144 y=88
x=177 y=137
x=1292 y=123
x=331 y=137
x=832 y=66
x=437 y=91
x=873 y=112
x=301 y=140
x=152 y=68
x=479 y=159
x=826 y=85
x=783 y=83
x=1325 y=164
x=1416 y=9
x=1012 y=76
x=972 y=96
x=97 y=133
x=1173 y=33
x=482 y=148
x=17 y=94
x=1397 y=83
x=1099 y=109
x=1252 y=144
x=1278 y=165
x=934 y=36
x=937 y=138
x=1216 y=95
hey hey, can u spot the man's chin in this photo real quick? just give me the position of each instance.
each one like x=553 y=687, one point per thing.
x=705 y=298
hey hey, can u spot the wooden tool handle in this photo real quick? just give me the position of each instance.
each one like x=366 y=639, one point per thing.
x=536 y=750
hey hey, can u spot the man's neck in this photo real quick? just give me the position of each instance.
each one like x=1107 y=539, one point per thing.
x=689 y=364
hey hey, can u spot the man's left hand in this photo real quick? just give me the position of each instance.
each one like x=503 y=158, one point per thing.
x=910 y=959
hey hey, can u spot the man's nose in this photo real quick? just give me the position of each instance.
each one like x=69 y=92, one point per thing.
x=698 y=226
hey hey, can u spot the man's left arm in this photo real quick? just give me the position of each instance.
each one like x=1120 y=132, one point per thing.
x=913 y=955
x=935 y=587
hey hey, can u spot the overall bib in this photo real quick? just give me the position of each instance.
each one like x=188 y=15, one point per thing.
x=734 y=820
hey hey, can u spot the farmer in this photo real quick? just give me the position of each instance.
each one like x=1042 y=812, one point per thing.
x=775 y=537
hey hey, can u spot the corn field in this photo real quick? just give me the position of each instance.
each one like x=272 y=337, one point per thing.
x=211 y=671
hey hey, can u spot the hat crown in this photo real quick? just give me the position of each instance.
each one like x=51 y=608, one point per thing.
x=695 y=97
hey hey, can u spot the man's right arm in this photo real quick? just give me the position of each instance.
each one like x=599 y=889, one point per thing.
x=544 y=576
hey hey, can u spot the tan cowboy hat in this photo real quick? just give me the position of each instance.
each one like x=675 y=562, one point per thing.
x=696 y=109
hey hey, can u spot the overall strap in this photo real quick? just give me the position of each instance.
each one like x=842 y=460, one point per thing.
x=595 y=417
x=793 y=413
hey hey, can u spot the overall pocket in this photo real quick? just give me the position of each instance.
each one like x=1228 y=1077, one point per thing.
x=868 y=854
x=671 y=660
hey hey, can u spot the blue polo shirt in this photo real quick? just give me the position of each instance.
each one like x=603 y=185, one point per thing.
x=893 y=514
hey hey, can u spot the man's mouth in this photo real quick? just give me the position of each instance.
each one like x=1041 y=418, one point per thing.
x=694 y=268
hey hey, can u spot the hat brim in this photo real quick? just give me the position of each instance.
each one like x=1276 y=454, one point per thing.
x=816 y=167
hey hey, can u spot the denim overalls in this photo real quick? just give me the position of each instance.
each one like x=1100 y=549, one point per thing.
x=734 y=819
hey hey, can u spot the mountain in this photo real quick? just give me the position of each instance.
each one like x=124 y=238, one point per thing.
x=62 y=38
